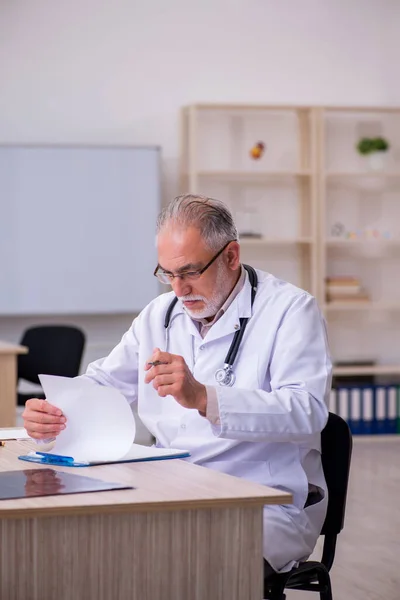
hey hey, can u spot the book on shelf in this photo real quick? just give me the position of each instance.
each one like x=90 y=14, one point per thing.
x=343 y=285
x=347 y=290
x=343 y=280
x=344 y=298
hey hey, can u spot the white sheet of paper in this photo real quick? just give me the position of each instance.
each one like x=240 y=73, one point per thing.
x=100 y=422
x=13 y=433
x=137 y=451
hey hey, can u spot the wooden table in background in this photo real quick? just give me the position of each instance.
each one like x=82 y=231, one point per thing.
x=185 y=533
x=8 y=382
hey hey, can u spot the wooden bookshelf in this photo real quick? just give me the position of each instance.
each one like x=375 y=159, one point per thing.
x=309 y=178
x=215 y=161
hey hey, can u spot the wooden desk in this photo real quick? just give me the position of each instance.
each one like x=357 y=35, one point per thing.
x=8 y=382
x=184 y=533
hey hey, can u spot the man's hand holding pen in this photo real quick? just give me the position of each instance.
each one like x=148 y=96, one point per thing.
x=170 y=375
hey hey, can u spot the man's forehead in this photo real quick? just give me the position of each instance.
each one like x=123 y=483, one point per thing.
x=178 y=249
x=178 y=241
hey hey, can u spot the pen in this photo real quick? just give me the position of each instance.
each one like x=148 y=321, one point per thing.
x=156 y=363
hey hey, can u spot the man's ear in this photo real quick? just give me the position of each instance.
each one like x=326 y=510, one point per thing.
x=233 y=256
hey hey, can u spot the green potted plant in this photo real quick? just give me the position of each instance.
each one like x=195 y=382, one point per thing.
x=375 y=149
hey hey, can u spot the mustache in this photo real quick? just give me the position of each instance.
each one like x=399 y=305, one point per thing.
x=191 y=298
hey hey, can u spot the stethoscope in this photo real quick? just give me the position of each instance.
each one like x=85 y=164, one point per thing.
x=226 y=375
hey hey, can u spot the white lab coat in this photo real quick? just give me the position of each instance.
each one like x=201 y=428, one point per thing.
x=271 y=418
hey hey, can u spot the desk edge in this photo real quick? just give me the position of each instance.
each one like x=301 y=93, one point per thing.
x=93 y=509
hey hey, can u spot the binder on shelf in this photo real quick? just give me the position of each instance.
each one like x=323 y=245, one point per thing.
x=368 y=409
x=343 y=403
x=392 y=408
x=380 y=410
x=355 y=410
x=398 y=410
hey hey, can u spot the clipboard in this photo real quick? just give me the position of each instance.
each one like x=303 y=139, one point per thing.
x=137 y=453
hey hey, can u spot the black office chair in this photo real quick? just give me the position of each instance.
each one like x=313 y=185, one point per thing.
x=53 y=350
x=336 y=448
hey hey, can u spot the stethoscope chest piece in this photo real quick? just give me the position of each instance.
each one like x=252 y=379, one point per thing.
x=225 y=376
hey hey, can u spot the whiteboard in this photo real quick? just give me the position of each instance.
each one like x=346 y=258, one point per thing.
x=77 y=229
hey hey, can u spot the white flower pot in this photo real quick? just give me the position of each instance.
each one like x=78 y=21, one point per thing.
x=376 y=161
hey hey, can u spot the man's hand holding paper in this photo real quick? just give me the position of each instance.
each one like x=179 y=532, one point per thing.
x=42 y=420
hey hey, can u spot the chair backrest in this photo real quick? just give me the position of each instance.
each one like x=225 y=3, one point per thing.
x=53 y=350
x=337 y=444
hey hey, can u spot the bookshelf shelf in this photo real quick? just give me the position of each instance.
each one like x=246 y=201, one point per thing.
x=362 y=242
x=365 y=306
x=209 y=106
x=252 y=176
x=373 y=370
x=363 y=175
x=274 y=242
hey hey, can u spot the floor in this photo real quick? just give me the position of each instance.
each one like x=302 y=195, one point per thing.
x=367 y=564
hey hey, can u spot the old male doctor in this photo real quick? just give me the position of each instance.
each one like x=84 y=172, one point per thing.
x=259 y=418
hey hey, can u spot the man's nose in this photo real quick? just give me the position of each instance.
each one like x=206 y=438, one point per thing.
x=181 y=287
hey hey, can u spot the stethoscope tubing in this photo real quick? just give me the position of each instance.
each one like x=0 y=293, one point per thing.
x=225 y=376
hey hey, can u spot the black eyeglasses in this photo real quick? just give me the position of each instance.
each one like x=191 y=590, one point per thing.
x=167 y=278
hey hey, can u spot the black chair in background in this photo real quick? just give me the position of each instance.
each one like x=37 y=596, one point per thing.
x=336 y=448
x=53 y=350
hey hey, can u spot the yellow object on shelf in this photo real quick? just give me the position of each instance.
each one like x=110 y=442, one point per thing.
x=257 y=150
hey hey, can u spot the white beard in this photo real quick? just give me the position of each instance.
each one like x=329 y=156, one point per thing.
x=213 y=304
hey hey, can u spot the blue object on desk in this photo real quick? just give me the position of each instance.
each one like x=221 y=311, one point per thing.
x=56 y=458
x=46 y=458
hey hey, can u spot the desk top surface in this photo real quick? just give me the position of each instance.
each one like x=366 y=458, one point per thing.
x=7 y=348
x=159 y=485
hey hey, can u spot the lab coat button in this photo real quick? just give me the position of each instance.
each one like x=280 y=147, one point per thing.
x=236 y=326
x=183 y=426
x=201 y=347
